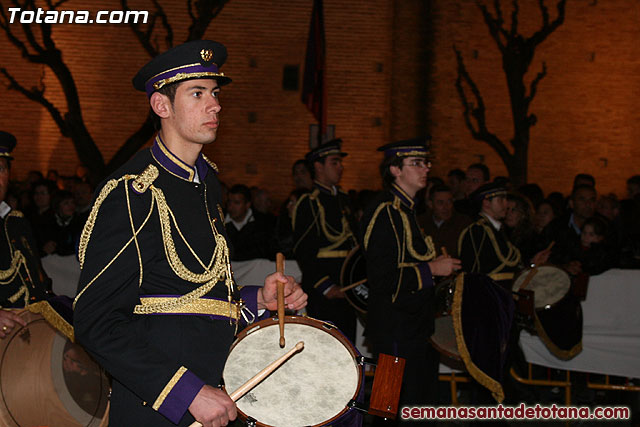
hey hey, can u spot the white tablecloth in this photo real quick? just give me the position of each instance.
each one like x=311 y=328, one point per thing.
x=64 y=272
x=611 y=331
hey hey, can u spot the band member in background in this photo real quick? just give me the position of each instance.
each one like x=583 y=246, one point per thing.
x=323 y=238
x=157 y=305
x=22 y=279
x=484 y=246
x=401 y=262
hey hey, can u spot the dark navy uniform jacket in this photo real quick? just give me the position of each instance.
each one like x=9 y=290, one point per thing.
x=323 y=239
x=400 y=282
x=483 y=249
x=155 y=231
x=22 y=279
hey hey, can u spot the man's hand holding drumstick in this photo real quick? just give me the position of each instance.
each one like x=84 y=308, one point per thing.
x=444 y=265
x=294 y=297
x=213 y=407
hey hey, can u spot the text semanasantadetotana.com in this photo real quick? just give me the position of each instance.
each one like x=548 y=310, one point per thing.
x=521 y=412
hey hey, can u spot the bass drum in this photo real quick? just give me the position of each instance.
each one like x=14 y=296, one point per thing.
x=46 y=380
x=353 y=277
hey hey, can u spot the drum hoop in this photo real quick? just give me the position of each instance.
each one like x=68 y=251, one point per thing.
x=538 y=271
x=58 y=340
x=352 y=253
x=443 y=351
x=315 y=323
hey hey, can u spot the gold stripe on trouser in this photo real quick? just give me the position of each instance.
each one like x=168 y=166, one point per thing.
x=200 y=306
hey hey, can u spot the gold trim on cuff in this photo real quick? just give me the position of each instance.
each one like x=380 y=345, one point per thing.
x=53 y=318
x=501 y=276
x=167 y=388
x=332 y=254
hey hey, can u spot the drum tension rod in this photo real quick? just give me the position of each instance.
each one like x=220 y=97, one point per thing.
x=357 y=406
x=366 y=361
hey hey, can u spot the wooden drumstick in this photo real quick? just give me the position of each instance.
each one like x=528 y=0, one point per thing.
x=257 y=378
x=353 y=285
x=444 y=252
x=280 y=269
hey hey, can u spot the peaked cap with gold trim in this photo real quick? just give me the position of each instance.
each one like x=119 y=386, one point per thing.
x=487 y=191
x=329 y=148
x=416 y=147
x=7 y=144
x=197 y=59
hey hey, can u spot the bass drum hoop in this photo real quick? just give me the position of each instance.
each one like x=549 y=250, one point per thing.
x=43 y=378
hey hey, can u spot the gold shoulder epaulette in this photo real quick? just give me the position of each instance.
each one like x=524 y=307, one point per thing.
x=210 y=163
x=16 y=213
x=145 y=179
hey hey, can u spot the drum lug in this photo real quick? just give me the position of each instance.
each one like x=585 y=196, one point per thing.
x=357 y=406
x=251 y=422
x=366 y=361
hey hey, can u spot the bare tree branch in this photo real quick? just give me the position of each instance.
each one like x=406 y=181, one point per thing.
x=477 y=111
x=534 y=85
x=548 y=28
x=514 y=18
x=206 y=11
x=165 y=24
x=144 y=37
x=495 y=25
x=37 y=95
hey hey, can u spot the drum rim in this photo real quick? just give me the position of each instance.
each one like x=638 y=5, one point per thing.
x=441 y=350
x=63 y=395
x=352 y=253
x=541 y=268
x=318 y=324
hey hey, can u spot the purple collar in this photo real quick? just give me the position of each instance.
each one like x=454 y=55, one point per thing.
x=405 y=199
x=172 y=164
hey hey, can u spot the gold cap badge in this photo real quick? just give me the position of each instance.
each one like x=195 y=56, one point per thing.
x=206 y=55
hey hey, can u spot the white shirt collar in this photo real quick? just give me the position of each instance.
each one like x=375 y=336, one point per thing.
x=247 y=218
x=437 y=222
x=496 y=224
x=4 y=209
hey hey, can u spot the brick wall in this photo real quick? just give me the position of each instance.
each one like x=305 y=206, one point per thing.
x=391 y=73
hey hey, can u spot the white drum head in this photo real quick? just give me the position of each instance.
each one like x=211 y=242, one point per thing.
x=312 y=387
x=550 y=284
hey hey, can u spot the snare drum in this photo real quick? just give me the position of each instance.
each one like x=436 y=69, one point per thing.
x=47 y=380
x=313 y=388
x=549 y=284
x=354 y=270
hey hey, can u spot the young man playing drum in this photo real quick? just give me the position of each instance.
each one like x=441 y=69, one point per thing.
x=157 y=306
x=22 y=279
x=401 y=263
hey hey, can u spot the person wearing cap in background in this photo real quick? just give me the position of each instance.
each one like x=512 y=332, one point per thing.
x=157 y=306
x=484 y=246
x=401 y=262
x=323 y=237
x=22 y=279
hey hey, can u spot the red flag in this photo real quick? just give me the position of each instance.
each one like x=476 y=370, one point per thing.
x=314 y=90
